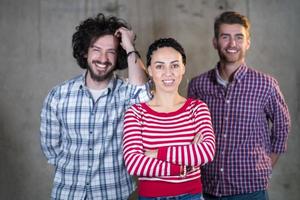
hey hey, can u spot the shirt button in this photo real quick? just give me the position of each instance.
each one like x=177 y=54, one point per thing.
x=221 y=170
x=224 y=135
x=87 y=184
x=91 y=132
x=90 y=149
x=227 y=101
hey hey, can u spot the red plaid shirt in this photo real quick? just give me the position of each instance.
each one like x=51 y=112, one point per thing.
x=251 y=121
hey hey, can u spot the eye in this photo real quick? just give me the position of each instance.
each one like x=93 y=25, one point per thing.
x=158 y=66
x=175 y=66
x=111 y=52
x=224 y=37
x=240 y=37
x=95 y=50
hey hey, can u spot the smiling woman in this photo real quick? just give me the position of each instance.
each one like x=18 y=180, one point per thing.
x=166 y=69
x=167 y=139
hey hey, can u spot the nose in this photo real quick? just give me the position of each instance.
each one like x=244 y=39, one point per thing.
x=168 y=71
x=103 y=57
x=232 y=42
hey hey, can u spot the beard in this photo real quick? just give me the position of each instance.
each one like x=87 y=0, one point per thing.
x=101 y=76
x=231 y=58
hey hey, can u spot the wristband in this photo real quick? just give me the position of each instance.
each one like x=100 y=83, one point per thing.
x=136 y=52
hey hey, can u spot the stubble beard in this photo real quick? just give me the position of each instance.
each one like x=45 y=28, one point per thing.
x=225 y=58
x=101 y=76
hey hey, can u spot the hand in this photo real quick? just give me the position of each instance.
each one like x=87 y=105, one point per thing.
x=127 y=38
x=197 y=139
x=151 y=153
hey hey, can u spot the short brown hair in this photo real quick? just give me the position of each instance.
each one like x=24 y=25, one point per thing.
x=231 y=17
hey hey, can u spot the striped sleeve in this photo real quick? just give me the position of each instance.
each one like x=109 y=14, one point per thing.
x=198 y=152
x=136 y=162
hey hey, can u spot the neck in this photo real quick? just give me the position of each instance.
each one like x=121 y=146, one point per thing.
x=167 y=100
x=227 y=70
x=95 y=84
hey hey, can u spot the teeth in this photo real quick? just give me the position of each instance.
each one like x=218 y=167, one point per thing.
x=99 y=65
x=168 y=82
x=231 y=51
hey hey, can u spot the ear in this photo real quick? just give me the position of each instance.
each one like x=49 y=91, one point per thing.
x=215 y=43
x=149 y=71
x=248 y=43
x=183 y=70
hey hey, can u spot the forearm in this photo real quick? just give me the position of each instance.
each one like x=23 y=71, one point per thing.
x=50 y=129
x=189 y=155
x=136 y=162
x=274 y=158
x=50 y=145
x=139 y=163
x=136 y=70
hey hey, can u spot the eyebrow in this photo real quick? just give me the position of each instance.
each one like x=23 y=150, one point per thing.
x=227 y=34
x=161 y=62
x=97 y=47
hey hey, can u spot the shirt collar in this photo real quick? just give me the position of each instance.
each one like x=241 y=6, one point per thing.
x=238 y=75
x=219 y=79
x=111 y=85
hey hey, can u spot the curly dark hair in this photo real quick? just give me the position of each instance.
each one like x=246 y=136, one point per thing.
x=231 y=17
x=89 y=31
x=165 y=42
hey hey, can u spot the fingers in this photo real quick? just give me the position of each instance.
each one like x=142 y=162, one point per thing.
x=197 y=138
x=126 y=38
x=151 y=153
x=124 y=32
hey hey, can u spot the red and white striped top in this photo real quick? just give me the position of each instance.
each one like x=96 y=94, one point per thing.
x=172 y=135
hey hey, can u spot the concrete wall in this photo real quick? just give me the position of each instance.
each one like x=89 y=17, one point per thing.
x=35 y=55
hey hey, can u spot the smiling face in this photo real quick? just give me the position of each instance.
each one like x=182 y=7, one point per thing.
x=232 y=43
x=101 y=58
x=166 y=69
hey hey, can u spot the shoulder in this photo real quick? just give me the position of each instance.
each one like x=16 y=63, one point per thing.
x=203 y=77
x=201 y=83
x=262 y=78
x=134 y=112
x=197 y=104
x=123 y=84
x=136 y=109
x=60 y=90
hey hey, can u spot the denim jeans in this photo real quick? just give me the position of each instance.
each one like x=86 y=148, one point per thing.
x=260 y=195
x=179 y=197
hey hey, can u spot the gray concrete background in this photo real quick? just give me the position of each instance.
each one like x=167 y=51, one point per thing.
x=35 y=55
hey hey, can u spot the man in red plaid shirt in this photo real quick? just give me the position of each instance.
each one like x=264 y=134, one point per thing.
x=249 y=115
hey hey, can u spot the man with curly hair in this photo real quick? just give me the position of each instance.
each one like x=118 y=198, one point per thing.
x=82 y=118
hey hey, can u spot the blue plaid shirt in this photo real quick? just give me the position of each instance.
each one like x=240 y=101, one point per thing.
x=82 y=138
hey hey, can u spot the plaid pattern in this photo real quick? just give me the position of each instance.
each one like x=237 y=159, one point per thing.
x=251 y=120
x=82 y=138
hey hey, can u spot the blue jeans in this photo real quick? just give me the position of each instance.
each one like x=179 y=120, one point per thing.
x=260 y=195
x=179 y=197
